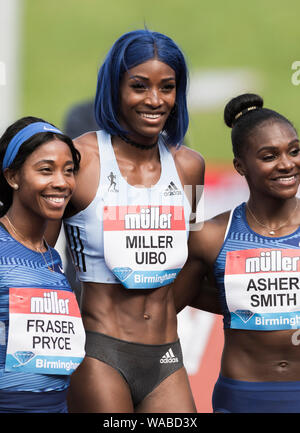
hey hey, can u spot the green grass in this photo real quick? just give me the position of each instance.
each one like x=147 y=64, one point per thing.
x=64 y=42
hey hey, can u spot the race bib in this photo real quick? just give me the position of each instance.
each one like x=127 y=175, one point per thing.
x=46 y=333
x=145 y=246
x=263 y=288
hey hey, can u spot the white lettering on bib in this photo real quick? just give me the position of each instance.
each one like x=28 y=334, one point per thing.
x=145 y=246
x=262 y=288
x=46 y=333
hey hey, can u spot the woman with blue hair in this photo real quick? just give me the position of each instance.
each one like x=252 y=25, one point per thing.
x=127 y=228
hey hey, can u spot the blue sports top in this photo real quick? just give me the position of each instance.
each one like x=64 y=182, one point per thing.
x=258 y=277
x=128 y=234
x=25 y=278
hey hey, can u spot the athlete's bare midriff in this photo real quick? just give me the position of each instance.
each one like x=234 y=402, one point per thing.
x=261 y=356
x=140 y=316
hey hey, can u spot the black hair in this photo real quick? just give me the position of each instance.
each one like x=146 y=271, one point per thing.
x=28 y=147
x=243 y=114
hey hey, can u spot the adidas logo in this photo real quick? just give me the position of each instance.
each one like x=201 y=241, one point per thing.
x=172 y=190
x=168 y=358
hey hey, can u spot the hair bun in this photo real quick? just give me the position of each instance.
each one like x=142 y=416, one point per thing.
x=240 y=103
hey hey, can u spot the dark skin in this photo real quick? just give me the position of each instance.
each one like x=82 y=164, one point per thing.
x=271 y=165
x=46 y=175
x=141 y=316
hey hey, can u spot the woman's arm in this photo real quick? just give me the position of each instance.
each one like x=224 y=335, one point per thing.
x=87 y=180
x=194 y=285
x=207 y=297
x=52 y=232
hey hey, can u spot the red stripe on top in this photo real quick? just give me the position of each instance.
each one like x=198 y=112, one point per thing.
x=262 y=260
x=117 y=218
x=23 y=300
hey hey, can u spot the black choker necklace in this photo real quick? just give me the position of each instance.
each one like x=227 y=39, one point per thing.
x=138 y=145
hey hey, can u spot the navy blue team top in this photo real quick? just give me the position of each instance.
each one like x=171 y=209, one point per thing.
x=258 y=277
x=23 y=267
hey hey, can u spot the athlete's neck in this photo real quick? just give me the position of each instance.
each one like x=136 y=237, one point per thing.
x=30 y=229
x=127 y=150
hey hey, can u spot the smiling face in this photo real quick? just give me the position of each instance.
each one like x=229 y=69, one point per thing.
x=147 y=96
x=46 y=181
x=271 y=162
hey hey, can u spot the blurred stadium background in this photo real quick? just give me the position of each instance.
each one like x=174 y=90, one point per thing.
x=50 y=52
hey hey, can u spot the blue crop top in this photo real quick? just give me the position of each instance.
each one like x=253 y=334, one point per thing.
x=258 y=277
x=32 y=298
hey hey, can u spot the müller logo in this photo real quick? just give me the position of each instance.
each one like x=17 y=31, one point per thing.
x=49 y=303
x=148 y=218
x=271 y=261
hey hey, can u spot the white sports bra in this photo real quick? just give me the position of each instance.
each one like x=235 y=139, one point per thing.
x=131 y=235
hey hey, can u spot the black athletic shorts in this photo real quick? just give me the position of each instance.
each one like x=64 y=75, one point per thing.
x=143 y=366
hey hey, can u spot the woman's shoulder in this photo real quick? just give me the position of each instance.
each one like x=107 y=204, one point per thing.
x=187 y=155
x=4 y=236
x=215 y=227
x=219 y=222
x=87 y=178
x=190 y=164
x=86 y=144
x=206 y=238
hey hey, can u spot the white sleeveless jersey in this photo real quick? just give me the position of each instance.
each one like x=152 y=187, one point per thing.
x=128 y=234
x=258 y=277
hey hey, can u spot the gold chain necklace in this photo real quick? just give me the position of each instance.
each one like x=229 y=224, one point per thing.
x=39 y=250
x=271 y=231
